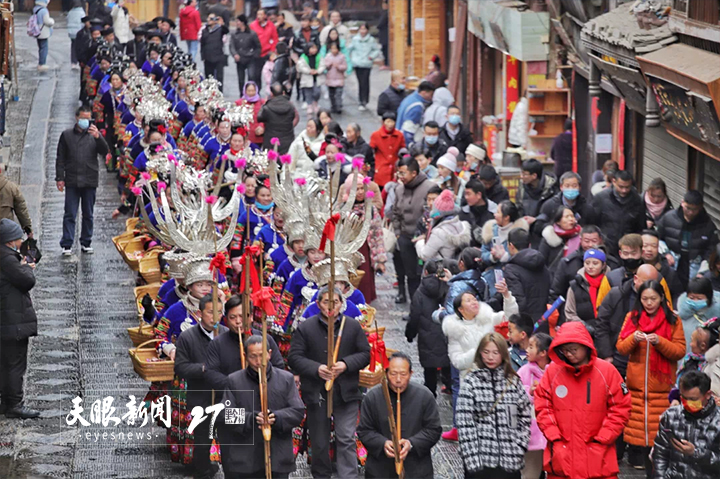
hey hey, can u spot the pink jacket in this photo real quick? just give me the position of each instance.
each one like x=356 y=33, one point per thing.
x=531 y=373
x=335 y=66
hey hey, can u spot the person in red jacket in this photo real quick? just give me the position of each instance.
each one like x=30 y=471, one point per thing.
x=190 y=25
x=268 y=36
x=386 y=142
x=582 y=406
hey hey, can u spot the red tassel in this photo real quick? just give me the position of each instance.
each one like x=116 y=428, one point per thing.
x=329 y=230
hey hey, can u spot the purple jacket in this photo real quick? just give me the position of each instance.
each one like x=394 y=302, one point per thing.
x=531 y=373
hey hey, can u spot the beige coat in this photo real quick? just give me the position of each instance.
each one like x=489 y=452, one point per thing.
x=12 y=203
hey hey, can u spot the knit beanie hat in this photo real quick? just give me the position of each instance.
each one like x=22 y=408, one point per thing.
x=596 y=254
x=444 y=203
x=449 y=159
x=9 y=231
x=475 y=151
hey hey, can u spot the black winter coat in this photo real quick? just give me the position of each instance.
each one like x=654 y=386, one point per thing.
x=246 y=45
x=432 y=348
x=530 y=200
x=77 y=161
x=583 y=303
x=617 y=219
x=584 y=212
x=477 y=216
x=461 y=141
x=242 y=445
x=190 y=359
x=610 y=318
x=567 y=269
x=528 y=280
x=703 y=236
x=360 y=147
x=420 y=425
x=284 y=72
x=389 y=100
x=715 y=280
x=278 y=114
x=211 y=44
x=497 y=193
x=17 y=315
x=300 y=44
x=223 y=358
x=308 y=350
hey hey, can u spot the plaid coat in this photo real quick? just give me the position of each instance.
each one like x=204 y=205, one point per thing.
x=493 y=420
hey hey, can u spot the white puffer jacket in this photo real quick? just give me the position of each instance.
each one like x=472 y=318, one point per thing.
x=464 y=336
x=302 y=165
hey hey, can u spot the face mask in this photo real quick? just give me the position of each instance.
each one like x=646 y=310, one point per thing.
x=632 y=264
x=447 y=178
x=83 y=123
x=454 y=119
x=571 y=194
x=401 y=87
x=696 y=304
x=264 y=207
x=431 y=140
x=692 y=406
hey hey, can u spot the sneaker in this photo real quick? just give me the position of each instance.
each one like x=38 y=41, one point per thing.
x=451 y=435
x=67 y=251
x=21 y=412
x=74 y=66
x=87 y=249
x=400 y=298
x=304 y=105
x=43 y=68
x=362 y=108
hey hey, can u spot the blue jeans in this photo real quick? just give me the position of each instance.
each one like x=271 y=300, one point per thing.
x=192 y=48
x=455 y=376
x=73 y=198
x=42 y=50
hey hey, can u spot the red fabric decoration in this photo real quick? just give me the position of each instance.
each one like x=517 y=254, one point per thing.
x=267 y=182
x=248 y=261
x=329 y=230
x=378 y=353
x=262 y=298
x=241 y=131
x=218 y=263
x=162 y=129
x=594 y=284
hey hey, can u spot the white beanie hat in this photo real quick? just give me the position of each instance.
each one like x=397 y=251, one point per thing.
x=475 y=151
x=449 y=160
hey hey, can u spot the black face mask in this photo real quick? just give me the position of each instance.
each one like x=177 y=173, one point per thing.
x=631 y=264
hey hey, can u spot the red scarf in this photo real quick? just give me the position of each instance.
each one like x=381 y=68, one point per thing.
x=594 y=284
x=660 y=366
x=570 y=237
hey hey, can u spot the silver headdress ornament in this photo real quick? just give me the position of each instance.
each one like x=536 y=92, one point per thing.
x=197 y=268
x=239 y=114
x=204 y=91
x=155 y=108
x=191 y=75
x=258 y=162
x=289 y=197
x=343 y=267
x=174 y=262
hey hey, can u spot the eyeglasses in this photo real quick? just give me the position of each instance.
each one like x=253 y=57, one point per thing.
x=571 y=350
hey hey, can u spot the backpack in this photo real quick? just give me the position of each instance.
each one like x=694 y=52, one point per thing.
x=33 y=28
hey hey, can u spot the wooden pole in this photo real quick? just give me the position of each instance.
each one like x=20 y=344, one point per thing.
x=331 y=299
x=393 y=427
x=266 y=432
x=247 y=318
x=329 y=384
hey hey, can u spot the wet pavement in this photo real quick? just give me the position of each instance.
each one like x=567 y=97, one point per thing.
x=85 y=303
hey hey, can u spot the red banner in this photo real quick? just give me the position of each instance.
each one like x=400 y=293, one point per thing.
x=512 y=84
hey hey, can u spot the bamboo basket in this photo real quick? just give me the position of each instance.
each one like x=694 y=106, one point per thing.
x=151 y=289
x=356 y=277
x=131 y=224
x=368 y=318
x=143 y=332
x=121 y=241
x=153 y=371
x=130 y=255
x=149 y=268
x=369 y=379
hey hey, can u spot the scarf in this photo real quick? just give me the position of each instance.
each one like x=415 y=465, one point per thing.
x=571 y=238
x=594 y=284
x=660 y=367
x=655 y=209
x=251 y=99
x=255 y=376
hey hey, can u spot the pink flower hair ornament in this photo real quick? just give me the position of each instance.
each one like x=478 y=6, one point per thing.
x=211 y=199
x=275 y=141
x=357 y=163
x=272 y=155
x=241 y=188
x=301 y=181
x=161 y=185
x=285 y=159
x=240 y=163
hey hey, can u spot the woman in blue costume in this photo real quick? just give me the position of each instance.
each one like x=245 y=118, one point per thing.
x=272 y=236
x=261 y=214
x=153 y=58
x=109 y=115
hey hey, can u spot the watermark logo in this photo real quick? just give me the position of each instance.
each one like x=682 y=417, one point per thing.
x=102 y=412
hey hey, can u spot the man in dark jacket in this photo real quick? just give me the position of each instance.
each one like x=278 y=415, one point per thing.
x=223 y=353
x=537 y=188
x=241 y=442
x=454 y=133
x=420 y=429
x=284 y=69
x=307 y=358
x=611 y=316
x=561 y=151
x=191 y=365
x=76 y=173
x=280 y=118
x=355 y=144
x=690 y=234
x=570 y=197
x=527 y=277
x=245 y=50
x=619 y=210
x=475 y=211
x=136 y=49
x=211 y=48
x=494 y=190
x=392 y=96
x=17 y=320
x=688 y=437
x=433 y=146
x=409 y=205
x=650 y=255
x=305 y=36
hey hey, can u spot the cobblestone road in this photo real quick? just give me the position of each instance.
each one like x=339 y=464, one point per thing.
x=85 y=303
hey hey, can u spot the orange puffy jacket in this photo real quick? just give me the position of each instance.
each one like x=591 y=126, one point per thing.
x=649 y=395
x=581 y=411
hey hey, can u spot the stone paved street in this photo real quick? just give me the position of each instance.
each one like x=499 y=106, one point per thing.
x=85 y=303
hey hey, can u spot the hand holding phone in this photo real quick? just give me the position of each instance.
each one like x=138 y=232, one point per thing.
x=499 y=276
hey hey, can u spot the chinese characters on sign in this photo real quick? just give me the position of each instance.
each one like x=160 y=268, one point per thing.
x=512 y=84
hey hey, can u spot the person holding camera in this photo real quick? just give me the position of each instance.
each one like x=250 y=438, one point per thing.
x=76 y=174
x=17 y=320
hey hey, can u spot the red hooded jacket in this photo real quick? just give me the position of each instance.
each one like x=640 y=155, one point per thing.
x=581 y=411
x=190 y=23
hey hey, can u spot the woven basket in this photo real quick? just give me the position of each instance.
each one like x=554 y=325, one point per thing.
x=121 y=241
x=149 y=268
x=134 y=250
x=369 y=379
x=356 y=278
x=151 y=289
x=153 y=371
x=368 y=317
x=141 y=333
x=131 y=224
